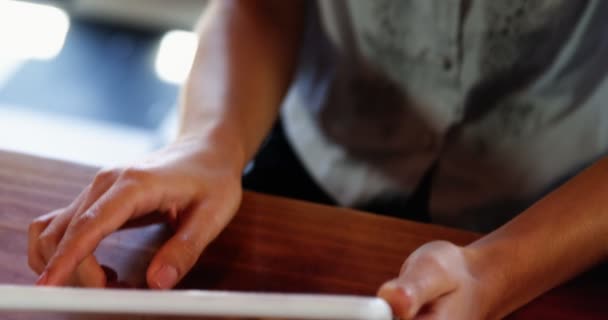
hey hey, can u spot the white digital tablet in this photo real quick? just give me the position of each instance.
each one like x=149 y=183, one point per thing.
x=193 y=303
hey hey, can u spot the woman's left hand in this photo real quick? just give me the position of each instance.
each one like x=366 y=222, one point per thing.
x=436 y=282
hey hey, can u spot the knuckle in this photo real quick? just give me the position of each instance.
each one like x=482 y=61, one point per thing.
x=135 y=181
x=422 y=261
x=86 y=227
x=35 y=227
x=86 y=219
x=47 y=244
x=39 y=224
x=425 y=256
x=135 y=174
x=437 y=255
x=105 y=176
x=82 y=227
x=429 y=260
x=439 y=246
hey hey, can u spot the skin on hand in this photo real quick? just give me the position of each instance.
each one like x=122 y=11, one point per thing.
x=435 y=283
x=193 y=186
x=484 y=281
x=196 y=182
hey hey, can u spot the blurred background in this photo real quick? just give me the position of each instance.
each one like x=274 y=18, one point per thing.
x=93 y=81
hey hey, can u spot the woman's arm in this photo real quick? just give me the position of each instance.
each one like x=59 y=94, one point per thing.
x=243 y=67
x=242 y=70
x=560 y=236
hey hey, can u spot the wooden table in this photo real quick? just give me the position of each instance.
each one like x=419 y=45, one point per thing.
x=273 y=244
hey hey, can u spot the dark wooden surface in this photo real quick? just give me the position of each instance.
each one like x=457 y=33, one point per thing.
x=273 y=245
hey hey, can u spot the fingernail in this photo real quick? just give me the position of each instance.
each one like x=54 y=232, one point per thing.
x=399 y=299
x=43 y=279
x=165 y=277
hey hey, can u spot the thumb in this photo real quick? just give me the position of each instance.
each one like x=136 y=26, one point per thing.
x=177 y=256
x=414 y=289
x=397 y=297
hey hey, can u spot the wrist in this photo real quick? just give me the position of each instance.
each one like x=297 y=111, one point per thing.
x=215 y=144
x=489 y=280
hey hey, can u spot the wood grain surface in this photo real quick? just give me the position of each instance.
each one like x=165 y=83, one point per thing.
x=272 y=245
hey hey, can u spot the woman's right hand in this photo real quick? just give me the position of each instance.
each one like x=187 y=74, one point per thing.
x=195 y=182
x=195 y=186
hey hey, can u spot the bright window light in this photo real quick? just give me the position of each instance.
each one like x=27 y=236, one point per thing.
x=31 y=31
x=71 y=138
x=175 y=56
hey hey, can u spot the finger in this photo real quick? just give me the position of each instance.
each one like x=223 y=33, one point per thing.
x=421 y=283
x=87 y=273
x=45 y=243
x=36 y=259
x=91 y=274
x=102 y=182
x=46 y=231
x=177 y=256
x=86 y=230
x=47 y=240
x=399 y=300
x=44 y=234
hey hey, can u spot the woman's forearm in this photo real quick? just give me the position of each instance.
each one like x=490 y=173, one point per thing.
x=243 y=66
x=560 y=236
